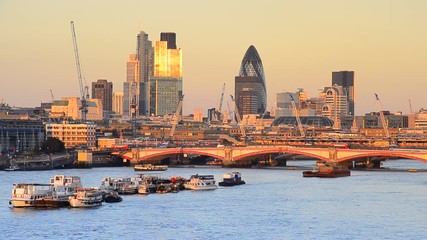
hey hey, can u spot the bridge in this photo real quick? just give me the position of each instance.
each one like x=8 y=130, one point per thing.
x=234 y=155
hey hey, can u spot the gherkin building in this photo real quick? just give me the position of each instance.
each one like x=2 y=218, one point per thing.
x=250 y=87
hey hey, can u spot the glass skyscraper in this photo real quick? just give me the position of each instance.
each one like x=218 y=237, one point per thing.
x=345 y=79
x=251 y=76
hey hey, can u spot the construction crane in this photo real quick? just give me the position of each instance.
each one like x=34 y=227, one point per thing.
x=176 y=117
x=51 y=95
x=294 y=107
x=219 y=112
x=133 y=108
x=84 y=92
x=383 y=121
x=237 y=115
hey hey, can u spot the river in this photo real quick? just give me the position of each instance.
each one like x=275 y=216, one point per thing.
x=274 y=204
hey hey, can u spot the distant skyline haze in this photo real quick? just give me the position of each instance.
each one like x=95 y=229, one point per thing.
x=300 y=43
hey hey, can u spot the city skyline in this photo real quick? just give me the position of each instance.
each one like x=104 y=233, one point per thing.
x=301 y=43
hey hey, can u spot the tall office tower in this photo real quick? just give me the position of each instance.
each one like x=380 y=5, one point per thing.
x=103 y=90
x=130 y=90
x=169 y=37
x=345 y=79
x=145 y=56
x=118 y=102
x=335 y=103
x=165 y=85
x=251 y=76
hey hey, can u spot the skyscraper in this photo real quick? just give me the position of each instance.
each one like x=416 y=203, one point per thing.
x=251 y=76
x=336 y=104
x=129 y=87
x=103 y=90
x=169 y=37
x=145 y=57
x=165 y=85
x=345 y=79
x=118 y=102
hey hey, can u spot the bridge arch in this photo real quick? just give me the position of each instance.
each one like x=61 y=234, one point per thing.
x=383 y=154
x=177 y=151
x=268 y=151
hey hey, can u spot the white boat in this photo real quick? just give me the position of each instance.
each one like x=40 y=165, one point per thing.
x=113 y=184
x=26 y=194
x=150 y=167
x=13 y=168
x=86 y=197
x=201 y=182
x=149 y=184
x=63 y=187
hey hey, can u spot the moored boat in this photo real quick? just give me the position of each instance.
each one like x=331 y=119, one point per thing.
x=150 y=167
x=163 y=188
x=86 y=197
x=112 y=197
x=26 y=194
x=201 y=182
x=328 y=171
x=62 y=188
x=231 y=179
x=13 y=168
x=149 y=184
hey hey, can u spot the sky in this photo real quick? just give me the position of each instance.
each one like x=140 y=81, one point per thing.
x=300 y=43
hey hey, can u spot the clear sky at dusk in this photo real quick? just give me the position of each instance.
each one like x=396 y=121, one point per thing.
x=299 y=42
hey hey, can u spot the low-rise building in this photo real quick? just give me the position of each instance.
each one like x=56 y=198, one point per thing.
x=73 y=135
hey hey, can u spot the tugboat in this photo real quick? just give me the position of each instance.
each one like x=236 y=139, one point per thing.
x=231 y=179
x=328 y=171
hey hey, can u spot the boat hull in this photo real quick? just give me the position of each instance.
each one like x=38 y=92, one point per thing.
x=21 y=203
x=325 y=175
x=230 y=184
x=77 y=203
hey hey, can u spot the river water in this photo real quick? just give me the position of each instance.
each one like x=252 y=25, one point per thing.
x=274 y=204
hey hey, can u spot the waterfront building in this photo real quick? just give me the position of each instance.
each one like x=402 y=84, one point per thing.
x=72 y=134
x=21 y=135
x=118 y=102
x=345 y=79
x=103 y=90
x=251 y=76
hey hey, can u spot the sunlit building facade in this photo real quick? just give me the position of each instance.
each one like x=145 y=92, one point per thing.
x=73 y=135
x=118 y=102
x=165 y=86
x=335 y=103
x=69 y=107
x=251 y=76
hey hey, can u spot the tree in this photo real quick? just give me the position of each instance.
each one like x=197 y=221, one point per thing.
x=52 y=145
